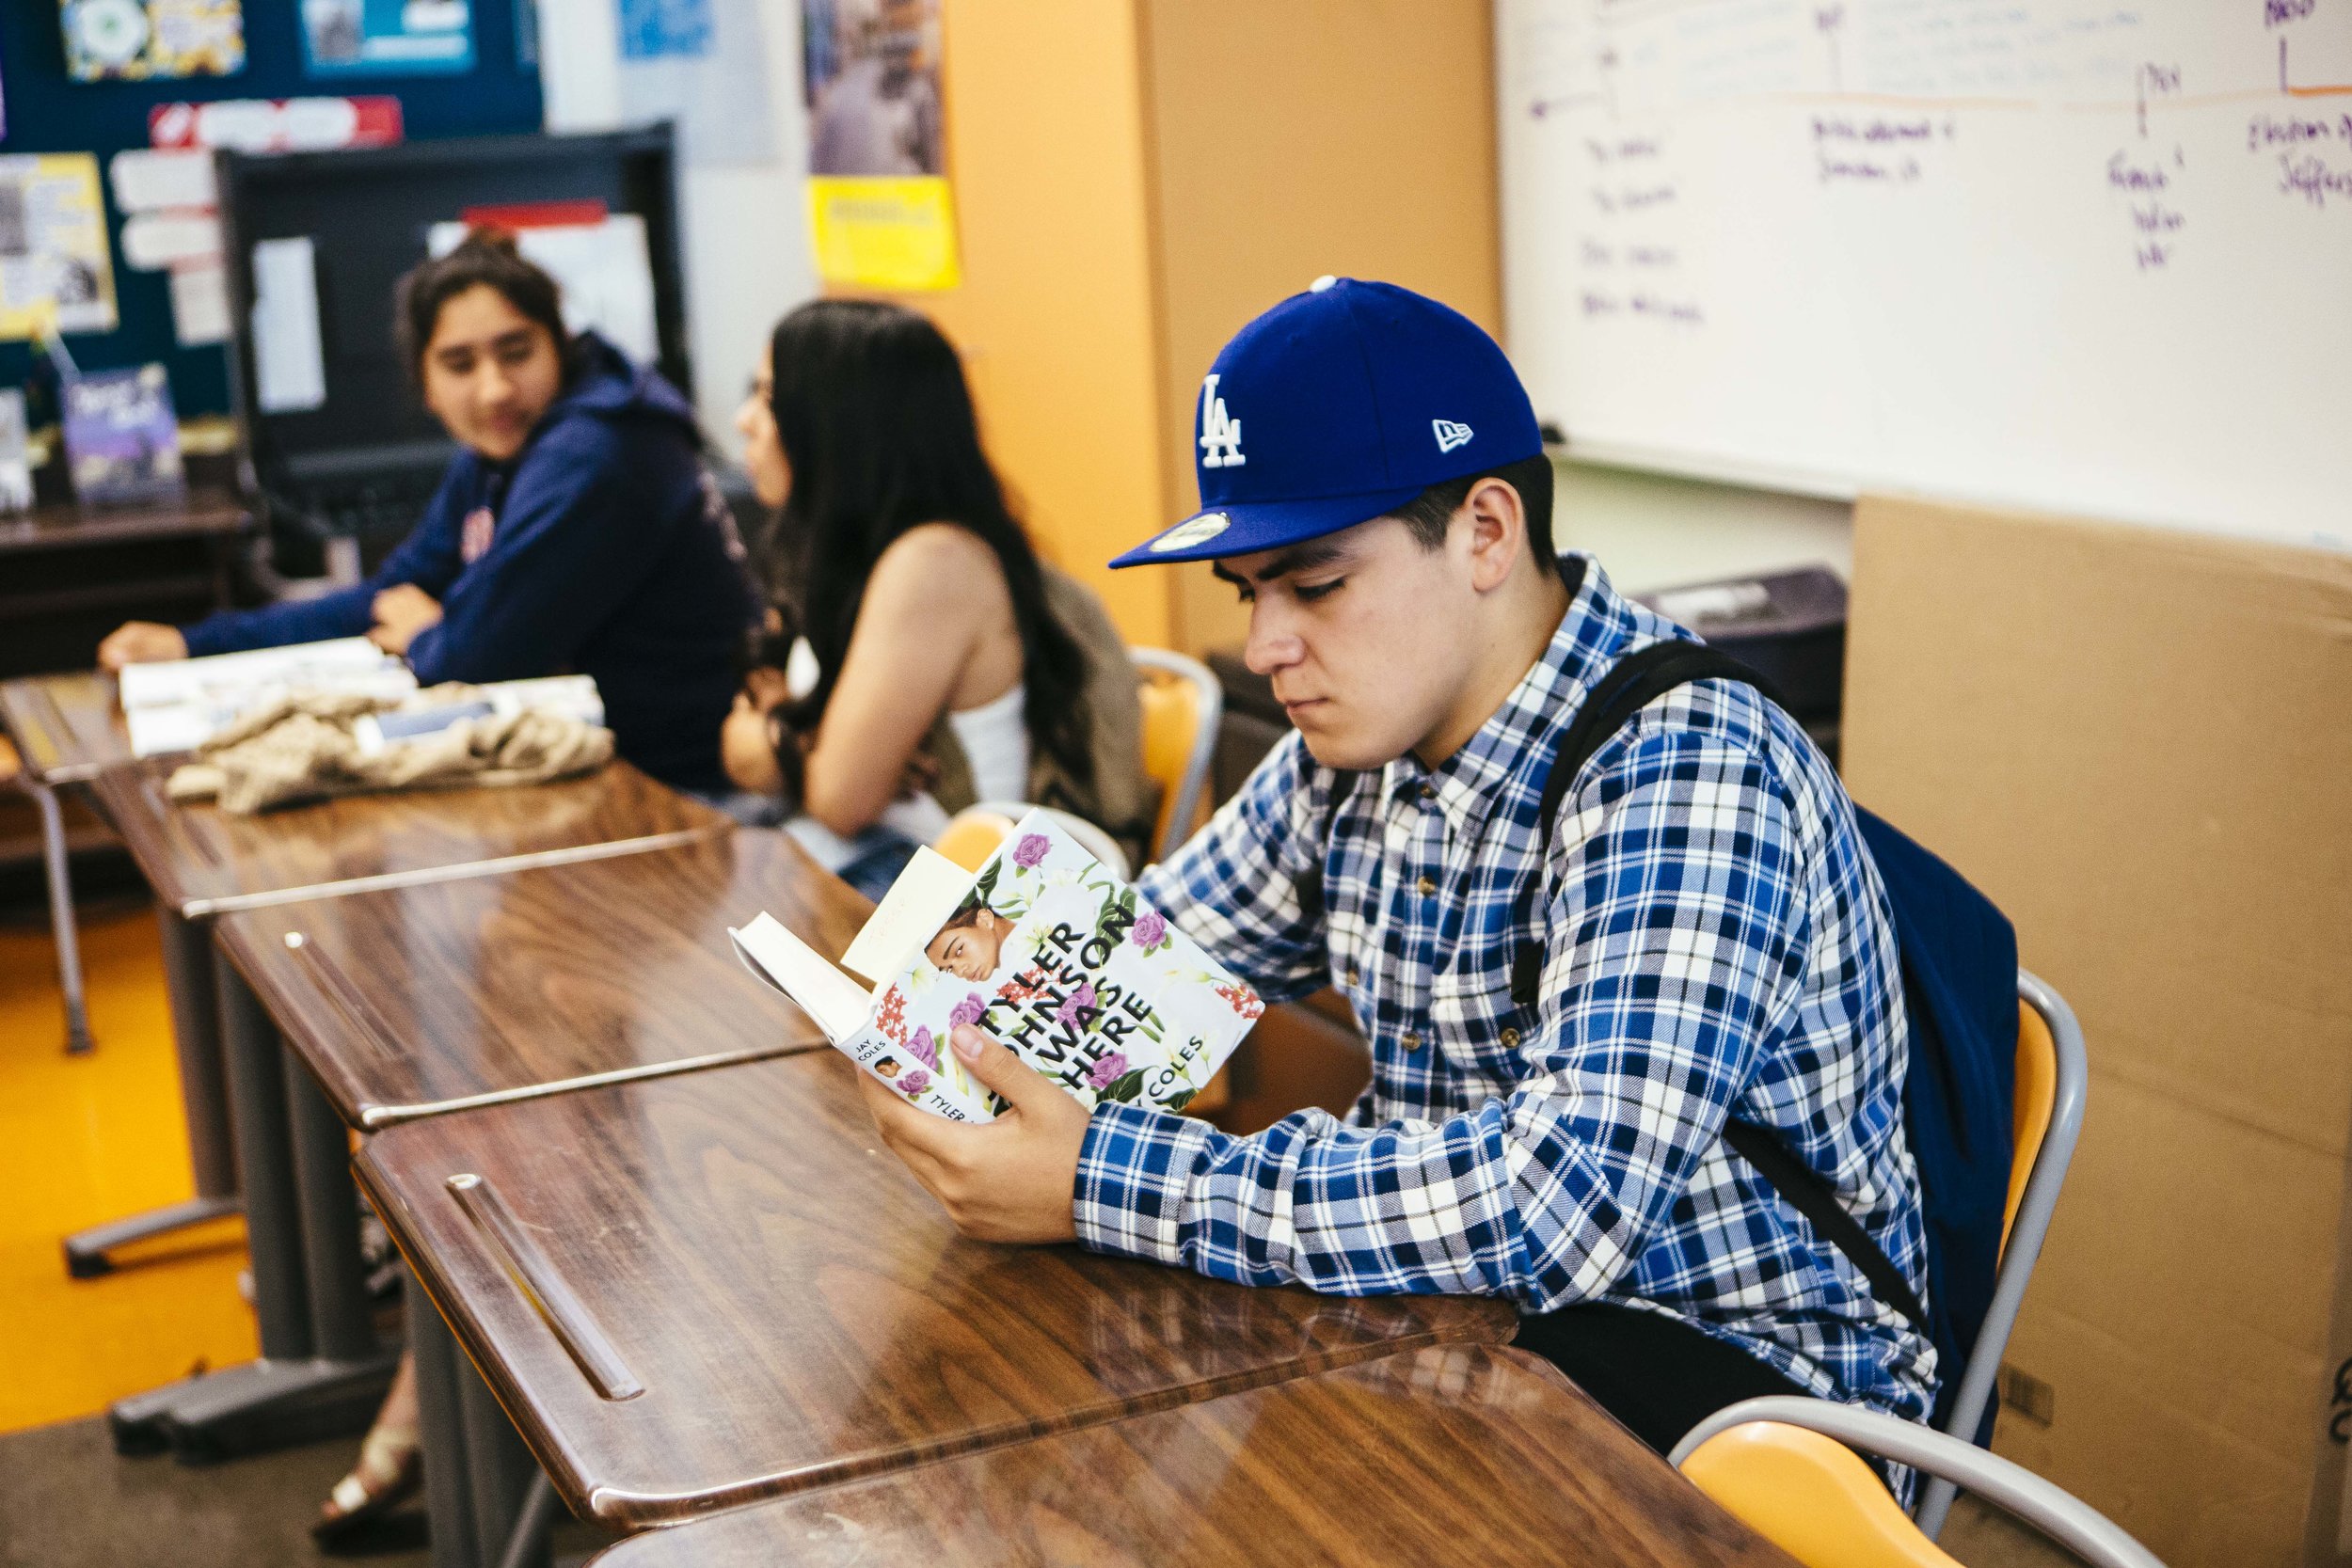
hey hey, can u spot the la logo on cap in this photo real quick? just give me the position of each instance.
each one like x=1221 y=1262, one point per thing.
x=1220 y=435
x=1184 y=535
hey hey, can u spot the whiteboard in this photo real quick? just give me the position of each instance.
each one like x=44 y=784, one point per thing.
x=2091 y=257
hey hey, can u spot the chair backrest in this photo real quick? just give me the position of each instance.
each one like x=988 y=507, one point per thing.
x=1811 y=1496
x=1182 y=705
x=2037 y=1101
x=972 y=835
x=2052 y=1075
x=1771 y=1463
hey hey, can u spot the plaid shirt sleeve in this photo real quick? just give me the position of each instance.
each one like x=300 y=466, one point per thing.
x=1242 y=886
x=1678 y=929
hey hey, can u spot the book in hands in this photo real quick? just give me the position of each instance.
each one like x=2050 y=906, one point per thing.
x=1046 y=949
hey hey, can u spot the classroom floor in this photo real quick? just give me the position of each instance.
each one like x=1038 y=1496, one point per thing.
x=88 y=1138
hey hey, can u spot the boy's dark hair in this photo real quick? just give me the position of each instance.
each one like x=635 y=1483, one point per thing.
x=968 y=913
x=1428 y=514
x=483 y=255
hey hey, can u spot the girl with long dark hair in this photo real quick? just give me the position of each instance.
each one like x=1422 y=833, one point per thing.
x=946 y=655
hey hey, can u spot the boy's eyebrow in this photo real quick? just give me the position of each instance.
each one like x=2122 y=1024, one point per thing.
x=1298 y=558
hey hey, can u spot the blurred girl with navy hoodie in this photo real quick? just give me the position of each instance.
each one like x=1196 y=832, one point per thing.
x=576 y=530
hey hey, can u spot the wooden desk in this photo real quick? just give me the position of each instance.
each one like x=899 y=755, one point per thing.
x=1454 y=1455
x=202 y=860
x=756 y=1298
x=67 y=728
x=420 y=999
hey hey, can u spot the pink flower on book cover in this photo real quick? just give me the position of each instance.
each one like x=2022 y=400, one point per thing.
x=921 y=1048
x=1019 y=989
x=1030 y=851
x=915 y=1083
x=891 y=1017
x=969 y=1010
x=1242 y=999
x=1106 y=1070
x=1149 y=930
x=1081 y=1000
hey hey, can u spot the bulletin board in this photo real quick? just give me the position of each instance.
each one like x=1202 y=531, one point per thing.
x=47 y=112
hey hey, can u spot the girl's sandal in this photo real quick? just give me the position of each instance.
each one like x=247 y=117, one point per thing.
x=389 y=1472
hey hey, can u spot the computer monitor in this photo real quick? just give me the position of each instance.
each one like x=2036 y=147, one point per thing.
x=332 y=428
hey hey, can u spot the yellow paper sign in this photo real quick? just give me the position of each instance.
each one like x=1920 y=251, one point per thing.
x=56 y=273
x=892 y=233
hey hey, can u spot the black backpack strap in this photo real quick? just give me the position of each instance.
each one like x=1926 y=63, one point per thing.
x=1631 y=685
x=1811 y=1197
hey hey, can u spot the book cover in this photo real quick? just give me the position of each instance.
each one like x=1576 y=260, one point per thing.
x=1047 y=950
x=122 y=441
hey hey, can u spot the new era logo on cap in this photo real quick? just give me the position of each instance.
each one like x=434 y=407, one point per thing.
x=1357 y=397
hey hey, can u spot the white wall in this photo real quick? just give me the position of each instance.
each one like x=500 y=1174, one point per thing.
x=1655 y=530
x=745 y=227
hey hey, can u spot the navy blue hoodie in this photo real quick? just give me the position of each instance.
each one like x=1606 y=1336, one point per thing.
x=608 y=552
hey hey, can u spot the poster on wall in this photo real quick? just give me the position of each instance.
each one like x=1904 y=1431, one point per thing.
x=387 y=38
x=704 y=64
x=55 y=270
x=879 y=203
x=110 y=40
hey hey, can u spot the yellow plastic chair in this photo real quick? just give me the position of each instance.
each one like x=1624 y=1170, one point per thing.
x=1786 y=1467
x=1181 y=705
x=973 y=834
x=2046 y=1119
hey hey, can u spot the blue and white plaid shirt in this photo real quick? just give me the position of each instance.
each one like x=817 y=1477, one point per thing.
x=1716 y=939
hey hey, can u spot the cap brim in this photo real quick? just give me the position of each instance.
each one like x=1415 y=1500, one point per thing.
x=1248 y=528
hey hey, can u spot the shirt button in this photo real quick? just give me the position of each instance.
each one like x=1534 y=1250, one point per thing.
x=1510 y=1038
x=1427 y=887
x=1429 y=792
x=1412 y=1039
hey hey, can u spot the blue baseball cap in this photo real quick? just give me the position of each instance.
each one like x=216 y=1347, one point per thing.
x=1337 y=407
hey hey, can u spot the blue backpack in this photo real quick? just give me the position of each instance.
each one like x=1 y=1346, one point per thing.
x=1959 y=989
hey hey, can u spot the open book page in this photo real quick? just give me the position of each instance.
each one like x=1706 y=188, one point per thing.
x=1050 y=952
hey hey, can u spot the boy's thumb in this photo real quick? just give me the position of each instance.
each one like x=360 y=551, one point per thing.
x=994 y=1064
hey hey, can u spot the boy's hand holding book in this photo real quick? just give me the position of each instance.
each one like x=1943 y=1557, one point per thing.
x=1009 y=1180
x=1009 y=1005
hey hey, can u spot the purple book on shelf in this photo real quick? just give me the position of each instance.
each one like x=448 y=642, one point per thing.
x=122 y=440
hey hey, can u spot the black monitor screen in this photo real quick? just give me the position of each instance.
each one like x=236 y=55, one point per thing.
x=367 y=216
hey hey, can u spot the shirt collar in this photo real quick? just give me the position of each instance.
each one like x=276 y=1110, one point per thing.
x=1592 y=634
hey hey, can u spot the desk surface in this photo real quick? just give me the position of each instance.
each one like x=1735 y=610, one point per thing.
x=203 y=512
x=202 y=860
x=734 y=1291
x=66 y=727
x=1453 y=1455
x=420 y=999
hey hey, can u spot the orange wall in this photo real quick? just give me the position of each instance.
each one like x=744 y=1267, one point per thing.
x=1055 y=314
x=1295 y=137
x=1135 y=179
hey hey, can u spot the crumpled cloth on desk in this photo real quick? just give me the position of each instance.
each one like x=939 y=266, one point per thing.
x=303 y=748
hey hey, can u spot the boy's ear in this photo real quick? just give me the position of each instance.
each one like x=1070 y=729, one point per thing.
x=1497 y=520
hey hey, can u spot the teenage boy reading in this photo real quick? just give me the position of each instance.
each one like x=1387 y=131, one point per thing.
x=1713 y=936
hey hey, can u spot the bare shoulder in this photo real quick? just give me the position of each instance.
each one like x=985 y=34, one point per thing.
x=936 y=564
